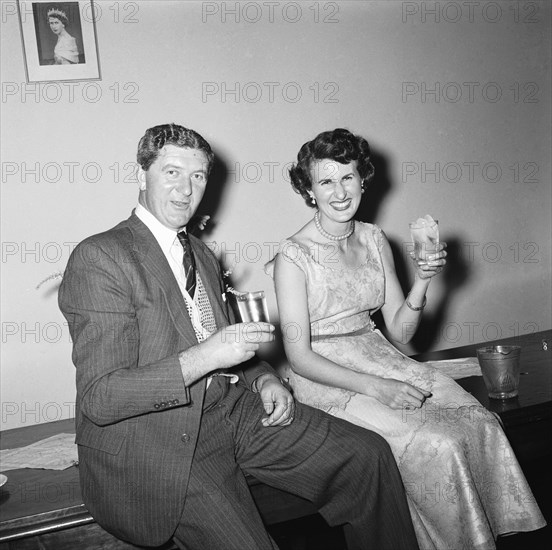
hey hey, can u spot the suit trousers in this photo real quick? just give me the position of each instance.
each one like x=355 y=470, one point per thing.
x=348 y=472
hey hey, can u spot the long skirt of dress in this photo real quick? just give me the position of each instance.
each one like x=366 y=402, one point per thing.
x=463 y=482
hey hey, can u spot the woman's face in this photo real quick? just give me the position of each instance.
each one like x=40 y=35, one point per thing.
x=55 y=25
x=337 y=189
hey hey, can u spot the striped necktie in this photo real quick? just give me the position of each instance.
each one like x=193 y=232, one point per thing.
x=189 y=263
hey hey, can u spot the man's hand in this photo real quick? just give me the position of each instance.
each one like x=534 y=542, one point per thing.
x=277 y=401
x=235 y=344
x=224 y=349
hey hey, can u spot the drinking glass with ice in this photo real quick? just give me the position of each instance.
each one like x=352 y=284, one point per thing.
x=425 y=236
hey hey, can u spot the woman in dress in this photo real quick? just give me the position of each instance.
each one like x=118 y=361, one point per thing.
x=66 y=51
x=463 y=482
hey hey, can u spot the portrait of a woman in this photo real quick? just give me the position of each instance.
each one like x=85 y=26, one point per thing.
x=66 y=51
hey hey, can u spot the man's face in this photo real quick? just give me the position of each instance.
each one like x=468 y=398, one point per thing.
x=173 y=186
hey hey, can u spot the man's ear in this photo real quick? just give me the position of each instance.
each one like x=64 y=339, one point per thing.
x=141 y=175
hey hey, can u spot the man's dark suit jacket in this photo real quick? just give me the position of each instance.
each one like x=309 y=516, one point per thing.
x=136 y=421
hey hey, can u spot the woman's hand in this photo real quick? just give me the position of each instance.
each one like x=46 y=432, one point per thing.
x=433 y=264
x=399 y=395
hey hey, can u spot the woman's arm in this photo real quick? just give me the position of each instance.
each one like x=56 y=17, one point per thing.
x=401 y=320
x=291 y=294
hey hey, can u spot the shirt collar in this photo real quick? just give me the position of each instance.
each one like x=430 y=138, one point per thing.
x=163 y=235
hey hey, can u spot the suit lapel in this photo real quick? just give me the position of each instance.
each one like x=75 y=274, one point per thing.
x=148 y=253
x=211 y=282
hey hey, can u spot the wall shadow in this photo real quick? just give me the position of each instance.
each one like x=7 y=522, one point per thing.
x=376 y=191
x=214 y=194
x=453 y=277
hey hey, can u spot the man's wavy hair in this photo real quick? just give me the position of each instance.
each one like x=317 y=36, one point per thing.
x=339 y=145
x=170 y=134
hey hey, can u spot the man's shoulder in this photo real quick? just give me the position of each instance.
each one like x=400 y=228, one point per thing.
x=116 y=235
x=118 y=241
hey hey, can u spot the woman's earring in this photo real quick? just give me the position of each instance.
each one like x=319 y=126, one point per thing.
x=313 y=200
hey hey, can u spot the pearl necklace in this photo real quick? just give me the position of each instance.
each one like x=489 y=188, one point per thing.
x=324 y=233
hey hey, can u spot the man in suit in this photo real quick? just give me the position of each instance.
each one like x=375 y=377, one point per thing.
x=172 y=404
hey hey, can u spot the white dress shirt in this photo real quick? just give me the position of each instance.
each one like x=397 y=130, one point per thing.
x=199 y=308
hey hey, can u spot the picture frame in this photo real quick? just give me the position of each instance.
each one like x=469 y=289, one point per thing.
x=59 y=40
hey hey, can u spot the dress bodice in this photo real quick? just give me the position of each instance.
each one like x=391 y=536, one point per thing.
x=341 y=298
x=66 y=50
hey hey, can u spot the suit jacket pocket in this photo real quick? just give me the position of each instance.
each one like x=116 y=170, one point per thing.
x=108 y=439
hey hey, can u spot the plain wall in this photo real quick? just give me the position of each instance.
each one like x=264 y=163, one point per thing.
x=455 y=104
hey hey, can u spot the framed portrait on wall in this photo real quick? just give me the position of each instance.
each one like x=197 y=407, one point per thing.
x=59 y=40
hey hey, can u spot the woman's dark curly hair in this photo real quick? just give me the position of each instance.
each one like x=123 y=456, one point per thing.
x=339 y=145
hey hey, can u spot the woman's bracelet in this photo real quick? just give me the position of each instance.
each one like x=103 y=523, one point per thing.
x=416 y=308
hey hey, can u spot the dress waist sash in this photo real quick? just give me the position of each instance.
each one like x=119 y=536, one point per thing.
x=328 y=337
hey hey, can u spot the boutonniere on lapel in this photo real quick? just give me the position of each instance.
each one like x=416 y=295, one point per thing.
x=228 y=288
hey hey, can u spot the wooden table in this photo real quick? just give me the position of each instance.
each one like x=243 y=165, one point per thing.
x=527 y=418
x=43 y=509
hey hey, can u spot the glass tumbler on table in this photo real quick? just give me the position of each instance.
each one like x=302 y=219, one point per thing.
x=500 y=369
